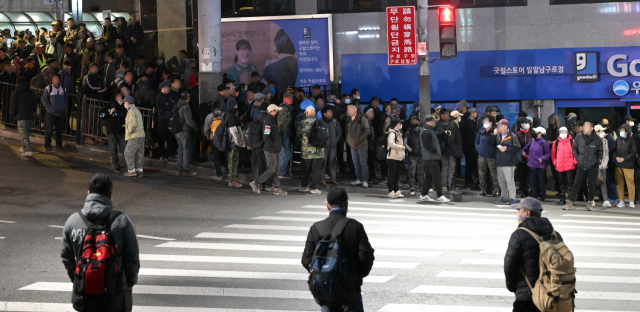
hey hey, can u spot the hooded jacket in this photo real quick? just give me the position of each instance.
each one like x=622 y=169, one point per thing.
x=538 y=153
x=587 y=150
x=429 y=145
x=357 y=131
x=562 y=154
x=412 y=137
x=23 y=102
x=508 y=158
x=55 y=100
x=185 y=117
x=553 y=131
x=524 y=253
x=395 y=145
x=146 y=96
x=625 y=148
x=97 y=207
x=482 y=143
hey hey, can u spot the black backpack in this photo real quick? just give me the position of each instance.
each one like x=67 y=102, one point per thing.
x=382 y=151
x=319 y=134
x=174 y=123
x=254 y=133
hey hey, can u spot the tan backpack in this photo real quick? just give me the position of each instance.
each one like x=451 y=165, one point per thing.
x=555 y=288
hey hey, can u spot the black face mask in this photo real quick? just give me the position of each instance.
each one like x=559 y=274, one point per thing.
x=414 y=125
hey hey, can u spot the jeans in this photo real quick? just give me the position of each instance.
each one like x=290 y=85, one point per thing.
x=311 y=171
x=330 y=158
x=273 y=164
x=471 y=167
x=432 y=178
x=354 y=306
x=52 y=121
x=116 y=144
x=415 y=169
x=524 y=306
x=184 y=151
x=611 y=182
x=625 y=175
x=590 y=176
x=393 y=180
x=448 y=170
x=285 y=156
x=483 y=163
x=359 y=156
x=537 y=182
x=566 y=181
x=507 y=183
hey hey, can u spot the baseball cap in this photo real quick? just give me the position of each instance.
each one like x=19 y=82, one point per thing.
x=273 y=107
x=165 y=84
x=455 y=114
x=193 y=61
x=39 y=45
x=540 y=130
x=337 y=196
x=429 y=118
x=310 y=109
x=462 y=103
x=472 y=110
x=288 y=94
x=184 y=95
x=628 y=118
x=315 y=86
x=258 y=96
x=598 y=128
x=503 y=122
x=222 y=87
x=530 y=204
x=266 y=91
x=437 y=107
x=571 y=115
x=129 y=99
x=490 y=109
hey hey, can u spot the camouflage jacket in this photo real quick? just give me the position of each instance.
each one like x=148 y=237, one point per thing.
x=284 y=120
x=308 y=151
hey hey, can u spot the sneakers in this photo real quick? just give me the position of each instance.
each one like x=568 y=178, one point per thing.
x=61 y=148
x=279 y=192
x=21 y=151
x=218 y=178
x=568 y=206
x=255 y=187
x=357 y=182
x=562 y=202
x=632 y=204
x=30 y=154
x=365 y=184
x=590 y=205
x=48 y=149
x=483 y=193
x=496 y=194
x=316 y=192
x=129 y=174
x=425 y=198
x=392 y=194
x=139 y=173
x=327 y=177
x=620 y=204
x=442 y=199
x=412 y=192
x=502 y=201
x=178 y=172
x=335 y=182
x=190 y=173
x=235 y=183
x=512 y=201
x=399 y=194
x=269 y=189
x=606 y=204
x=303 y=189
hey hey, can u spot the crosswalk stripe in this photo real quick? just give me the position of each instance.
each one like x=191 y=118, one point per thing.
x=597 y=228
x=391 y=216
x=598 y=216
x=66 y=307
x=581 y=265
x=56 y=226
x=244 y=275
x=5 y=221
x=295 y=249
x=374 y=241
x=155 y=237
x=252 y=260
x=578 y=253
x=579 y=278
x=407 y=205
x=417 y=231
x=590 y=244
x=394 y=307
x=420 y=212
x=188 y=291
x=487 y=291
x=459 y=222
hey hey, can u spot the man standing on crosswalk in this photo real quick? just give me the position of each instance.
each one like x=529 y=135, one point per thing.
x=355 y=246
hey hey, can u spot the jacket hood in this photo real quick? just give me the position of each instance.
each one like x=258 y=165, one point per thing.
x=564 y=140
x=557 y=119
x=541 y=226
x=97 y=206
x=22 y=86
x=626 y=128
x=181 y=103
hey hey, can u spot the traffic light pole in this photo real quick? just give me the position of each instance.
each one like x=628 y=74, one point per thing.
x=424 y=80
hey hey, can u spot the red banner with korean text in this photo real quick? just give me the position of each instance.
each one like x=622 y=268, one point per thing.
x=401 y=35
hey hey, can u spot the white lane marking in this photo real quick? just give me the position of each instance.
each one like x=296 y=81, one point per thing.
x=295 y=249
x=487 y=291
x=511 y=215
x=4 y=221
x=58 y=238
x=580 y=278
x=1 y=237
x=188 y=291
x=404 y=224
x=578 y=253
x=66 y=307
x=594 y=222
x=255 y=260
x=156 y=238
x=576 y=243
x=597 y=228
x=56 y=226
x=245 y=275
x=599 y=216
x=578 y=265
x=392 y=216
x=429 y=207
x=395 y=307
x=416 y=231
x=374 y=241
x=592 y=235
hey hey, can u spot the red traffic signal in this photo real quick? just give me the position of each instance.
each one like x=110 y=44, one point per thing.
x=446 y=16
x=447 y=32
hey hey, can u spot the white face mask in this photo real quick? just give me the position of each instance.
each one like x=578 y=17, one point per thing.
x=400 y=127
x=623 y=134
x=602 y=135
x=631 y=123
x=563 y=136
x=487 y=125
x=525 y=126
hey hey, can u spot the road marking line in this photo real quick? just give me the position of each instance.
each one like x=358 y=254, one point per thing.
x=392 y=216
x=417 y=231
x=156 y=238
x=591 y=254
x=511 y=215
x=374 y=241
x=56 y=226
x=598 y=216
x=245 y=275
x=295 y=249
x=58 y=238
x=66 y=307
x=255 y=260
x=4 y=221
x=459 y=223
x=580 y=278
x=597 y=228
x=188 y=291
x=1 y=237
x=429 y=207
x=487 y=291
x=578 y=265
x=394 y=307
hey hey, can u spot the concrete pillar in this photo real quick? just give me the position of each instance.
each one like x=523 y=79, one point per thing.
x=209 y=48
x=424 y=81
x=172 y=34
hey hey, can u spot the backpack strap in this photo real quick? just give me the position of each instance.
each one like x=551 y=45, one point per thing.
x=535 y=236
x=339 y=227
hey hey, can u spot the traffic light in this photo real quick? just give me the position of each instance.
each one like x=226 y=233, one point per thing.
x=447 y=32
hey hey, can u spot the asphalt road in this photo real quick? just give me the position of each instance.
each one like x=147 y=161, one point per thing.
x=207 y=248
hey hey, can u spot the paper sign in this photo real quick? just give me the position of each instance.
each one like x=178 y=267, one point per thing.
x=206 y=66
x=422 y=48
x=206 y=53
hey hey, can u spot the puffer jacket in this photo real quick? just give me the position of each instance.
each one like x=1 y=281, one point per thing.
x=23 y=102
x=625 y=148
x=587 y=150
x=395 y=148
x=524 y=253
x=538 y=153
x=562 y=154
x=454 y=141
x=357 y=131
x=482 y=143
x=508 y=158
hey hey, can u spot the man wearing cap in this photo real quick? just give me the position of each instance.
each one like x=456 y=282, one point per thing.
x=109 y=33
x=608 y=161
x=523 y=252
x=453 y=153
x=487 y=170
x=121 y=26
x=272 y=148
x=462 y=107
x=285 y=117
x=134 y=135
x=224 y=95
x=311 y=156
x=572 y=119
x=165 y=104
x=38 y=55
x=588 y=151
x=72 y=32
x=507 y=147
x=184 y=136
x=524 y=136
x=71 y=56
x=537 y=152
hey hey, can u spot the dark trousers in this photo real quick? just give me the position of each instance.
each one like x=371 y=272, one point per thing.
x=471 y=167
x=566 y=182
x=637 y=179
x=393 y=179
x=523 y=178
x=524 y=306
x=216 y=156
x=53 y=122
x=258 y=163
x=372 y=161
x=432 y=177
x=272 y=169
x=537 y=182
x=556 y=177
x=128 y=299
x=168 y=143
x=344 y=165
x=116 y=145
x=581 y=175
x=311 y=172
x=612 y=190
x=354 y=306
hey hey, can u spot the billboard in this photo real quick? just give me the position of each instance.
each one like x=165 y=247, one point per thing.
x=291 y=50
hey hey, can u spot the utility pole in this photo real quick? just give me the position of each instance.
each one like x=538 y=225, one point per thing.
x=425 y=76
x=209 y=48
x=59 y=10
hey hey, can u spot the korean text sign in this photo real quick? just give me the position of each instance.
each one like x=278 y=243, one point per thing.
x=401 y=36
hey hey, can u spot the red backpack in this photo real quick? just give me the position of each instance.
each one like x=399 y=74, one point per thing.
x=98 y=281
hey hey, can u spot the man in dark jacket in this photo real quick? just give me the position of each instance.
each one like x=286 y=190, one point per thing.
x=165 y=104
x=114 y=115
x=468 y=131
x=453 y=152
x=98 y=209
x=486 y=157
x=524 y=136
x=133 y=35
x=624 y=155
x=431 y=156
x=256 y=85
x=184 y=136
x=22 y=106
x=507 y=146
x=524 y=252
x=73 y=57
x=552 y=135
x=110 y=34
x=356 y=247
x=330 y=150
x=357 y=131
x=8 y=75
x=272 y=147
x=55 y=99
x=588 y=151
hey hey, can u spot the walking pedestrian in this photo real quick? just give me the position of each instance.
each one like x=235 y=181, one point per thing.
x=395 y=156
x=272 y=148
x=330 y=150
x=23 y=104
x=564 y=162
x=587 y=150
x=414 y=161
x=625 y=153
x=358 y=131
x=507 y=148
x=486 y=156
x=183 y=162
x=537 y=153
x=431 y=155
x=55 y=99
x=134 y=135
x=311 y=156
x=114 y=114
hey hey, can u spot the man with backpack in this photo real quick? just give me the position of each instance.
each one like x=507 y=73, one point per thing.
x=507 y=149
x=108 y=287
x=213 y=124
x=272 y=147
x=354 y=261
x=183 y=112
x=531 y=247
x=55 y=100
x=312 y=152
